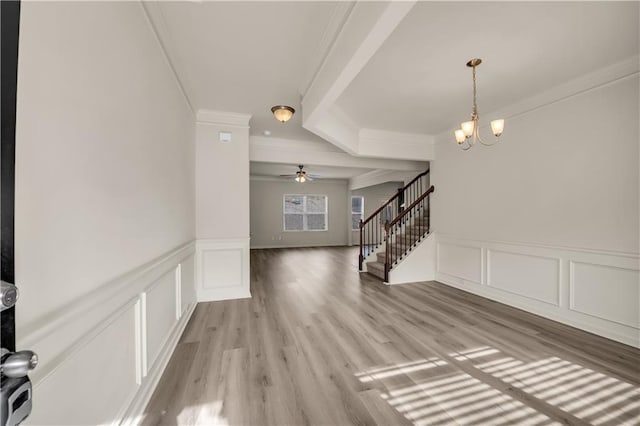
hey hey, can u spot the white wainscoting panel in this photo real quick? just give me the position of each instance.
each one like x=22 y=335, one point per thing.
x=541 y=282
x=222 y=269
x=597 y=291
x=100 y=375
x=460 y=261
x=160 y=314
x=93 y=367
x=187 y=281
x=608 y=292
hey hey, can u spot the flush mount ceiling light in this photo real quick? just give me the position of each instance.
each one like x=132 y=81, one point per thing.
x=282 y=113
x=469 y=129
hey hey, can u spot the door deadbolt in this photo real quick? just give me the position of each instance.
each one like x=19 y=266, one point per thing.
x=8 y=295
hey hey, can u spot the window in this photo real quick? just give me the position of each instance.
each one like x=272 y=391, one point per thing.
x=305 y=212
x=386 y=215
x=357 y=211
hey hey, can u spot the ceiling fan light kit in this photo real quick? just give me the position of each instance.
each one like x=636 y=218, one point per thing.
x=282 y=113
x=468 y=131
x=301 y=175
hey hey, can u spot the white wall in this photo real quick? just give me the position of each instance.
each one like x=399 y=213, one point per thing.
x=267 y=220
x=547 y=219
x=222 y=177
x=104 y=207
x=565 y=175
x=374 y=197
x=222 y=206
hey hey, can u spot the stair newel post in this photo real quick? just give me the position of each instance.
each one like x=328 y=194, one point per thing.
x=361 y=255
x=387 y=253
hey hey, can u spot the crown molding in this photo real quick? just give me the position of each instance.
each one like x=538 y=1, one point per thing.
x=210 y=116
x=339 y=16
x=155 y=20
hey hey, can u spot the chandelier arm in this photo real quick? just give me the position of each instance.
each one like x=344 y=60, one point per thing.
x=468 y=144
x=485 y=143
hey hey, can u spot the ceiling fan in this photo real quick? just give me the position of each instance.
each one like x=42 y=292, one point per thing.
x=301 y=176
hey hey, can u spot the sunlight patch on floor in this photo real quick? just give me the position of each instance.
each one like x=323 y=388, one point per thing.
x=461 y=398
x=449 y=398
x=208 y=413
x=398 y=369
x=580 y=391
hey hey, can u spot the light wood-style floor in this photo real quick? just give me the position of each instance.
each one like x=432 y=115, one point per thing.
x=320 y=343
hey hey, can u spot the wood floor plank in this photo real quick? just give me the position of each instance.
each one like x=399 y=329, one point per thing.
x=321 y=344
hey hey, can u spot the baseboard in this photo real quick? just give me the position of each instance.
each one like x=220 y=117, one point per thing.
x=596 y=291
x=261 y=247
x=225 y=294
x=135 y=412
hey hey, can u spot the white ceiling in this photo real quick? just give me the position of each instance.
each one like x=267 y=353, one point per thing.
x=245 y=56
x=322 y=172
x=418 y=82
x=248 y=56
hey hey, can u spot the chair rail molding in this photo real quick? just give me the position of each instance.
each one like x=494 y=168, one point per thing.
x=118 y=339
x=594 y=290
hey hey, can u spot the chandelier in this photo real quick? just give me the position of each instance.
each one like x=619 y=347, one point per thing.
x=468 y=131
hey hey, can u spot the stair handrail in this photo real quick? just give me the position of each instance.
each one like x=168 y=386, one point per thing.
x=371 y=232
x=396 y=195
x=408 y=209
x=414 y=237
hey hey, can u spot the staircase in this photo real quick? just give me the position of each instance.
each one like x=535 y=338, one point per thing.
x=396 y=228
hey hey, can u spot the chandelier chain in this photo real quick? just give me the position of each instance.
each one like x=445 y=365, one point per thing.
x=475 y=103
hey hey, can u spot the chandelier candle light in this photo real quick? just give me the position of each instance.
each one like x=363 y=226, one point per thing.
x=469 y=129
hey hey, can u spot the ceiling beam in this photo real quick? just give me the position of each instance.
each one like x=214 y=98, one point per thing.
x=264 y=149
x=364 y=31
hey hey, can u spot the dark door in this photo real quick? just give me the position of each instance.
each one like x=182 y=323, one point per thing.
x=15 y=386
x=10 y=25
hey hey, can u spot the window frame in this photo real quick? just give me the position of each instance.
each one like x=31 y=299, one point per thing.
x=361 y=213
x=304 y=213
